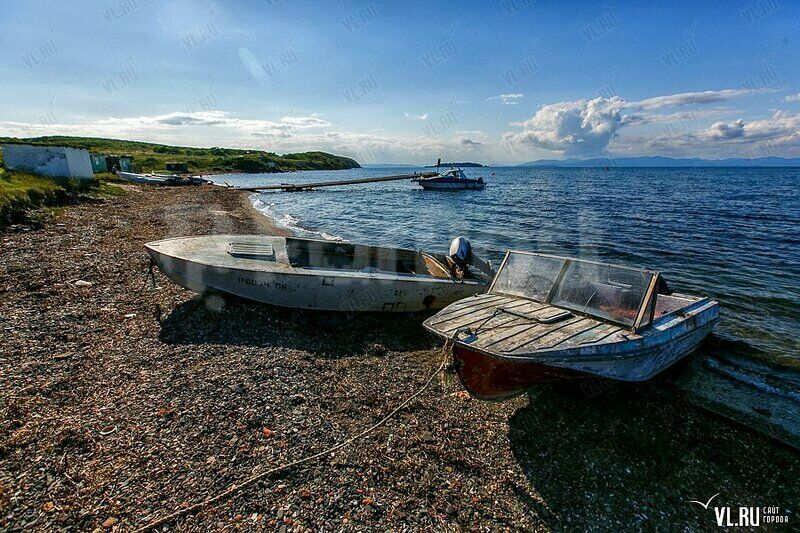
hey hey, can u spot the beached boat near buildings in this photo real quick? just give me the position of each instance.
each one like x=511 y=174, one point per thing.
x=453 y=179
x=551 y=318
x=318 y=274
x=161 y=179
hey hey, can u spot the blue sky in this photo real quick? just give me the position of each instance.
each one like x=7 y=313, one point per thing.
x=406 y=82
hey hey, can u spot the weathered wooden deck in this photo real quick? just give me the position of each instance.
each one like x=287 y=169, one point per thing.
x=503 y=324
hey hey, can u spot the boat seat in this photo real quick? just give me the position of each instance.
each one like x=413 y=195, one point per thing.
x=251 y=250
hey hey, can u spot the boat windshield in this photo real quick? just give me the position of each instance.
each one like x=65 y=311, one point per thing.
x=607 y=292
x=453 y=173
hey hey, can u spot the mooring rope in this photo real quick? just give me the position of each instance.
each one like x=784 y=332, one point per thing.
x=233 y=489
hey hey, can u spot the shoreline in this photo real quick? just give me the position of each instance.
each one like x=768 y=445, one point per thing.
x=138 y=401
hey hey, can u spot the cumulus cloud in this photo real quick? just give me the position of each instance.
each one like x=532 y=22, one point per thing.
x=587 y=127
x=423 y=116
x=792 y=98
x=579 y=127
x=778 y=134
x=724 y=130
x=506 y=99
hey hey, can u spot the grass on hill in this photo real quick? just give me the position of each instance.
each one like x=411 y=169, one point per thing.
x=153 y=157
x=22 y=193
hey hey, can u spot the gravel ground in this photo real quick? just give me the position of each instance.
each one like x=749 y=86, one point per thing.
x=122 y=403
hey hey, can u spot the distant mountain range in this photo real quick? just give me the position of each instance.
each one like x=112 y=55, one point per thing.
x=659 y=161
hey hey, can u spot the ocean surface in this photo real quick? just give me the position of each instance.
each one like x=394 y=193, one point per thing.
x=729 y=233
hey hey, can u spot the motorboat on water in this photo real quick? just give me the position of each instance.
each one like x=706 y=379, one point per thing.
x=161 y=179
x=452 y=179
x=548 y=318
x=321 y=274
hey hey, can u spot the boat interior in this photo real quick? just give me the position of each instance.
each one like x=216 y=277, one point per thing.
x=542 y=302
x=360 y=258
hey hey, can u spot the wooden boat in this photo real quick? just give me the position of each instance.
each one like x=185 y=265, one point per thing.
x=319 y=274
x=552 y=318
x=453 y=179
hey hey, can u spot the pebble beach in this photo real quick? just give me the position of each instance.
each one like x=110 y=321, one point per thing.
x=124 y=401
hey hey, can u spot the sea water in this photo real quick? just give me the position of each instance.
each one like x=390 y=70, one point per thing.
x=729 y=233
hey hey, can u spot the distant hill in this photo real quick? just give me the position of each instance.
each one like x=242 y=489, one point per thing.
x=464 y=165
x=151 y=156
x=659 y=161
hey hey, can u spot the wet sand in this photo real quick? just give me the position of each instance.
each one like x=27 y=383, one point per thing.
x=122 y=403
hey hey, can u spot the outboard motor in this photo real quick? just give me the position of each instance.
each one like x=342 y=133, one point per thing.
x=460 y=254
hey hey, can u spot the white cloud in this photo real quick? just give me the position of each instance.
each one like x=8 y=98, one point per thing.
x=313 y=121
x=724 y=130
x=701 y=97
x=589 y=127
x=506 y=99
x=579 y=127
x=423 y=116
x=778 y=134
x=288 y=134
x=792 y=98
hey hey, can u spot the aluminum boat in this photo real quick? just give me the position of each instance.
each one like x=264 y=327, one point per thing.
x=321 y=274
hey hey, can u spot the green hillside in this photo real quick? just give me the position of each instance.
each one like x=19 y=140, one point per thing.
x=150 y=156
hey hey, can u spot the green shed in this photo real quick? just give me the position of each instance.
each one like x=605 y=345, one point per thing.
x=98 y=163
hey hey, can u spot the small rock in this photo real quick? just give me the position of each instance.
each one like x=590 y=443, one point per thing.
x=130 y=315
x=110 y=521
x=450 y=510
x=83 y=283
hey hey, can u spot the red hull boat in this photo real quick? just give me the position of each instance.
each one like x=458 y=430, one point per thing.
x=548 y=318
x=489 y=378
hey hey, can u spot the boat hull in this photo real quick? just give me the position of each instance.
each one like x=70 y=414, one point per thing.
x=431 y=184
x=328 y=291
x=491 y=377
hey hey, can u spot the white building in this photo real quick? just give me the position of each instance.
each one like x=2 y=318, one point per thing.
x=55 y=161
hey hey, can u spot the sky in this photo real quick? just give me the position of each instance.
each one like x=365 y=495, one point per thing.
x=500 y=82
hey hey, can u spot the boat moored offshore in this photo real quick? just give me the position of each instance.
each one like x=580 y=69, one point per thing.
x=453 y=179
